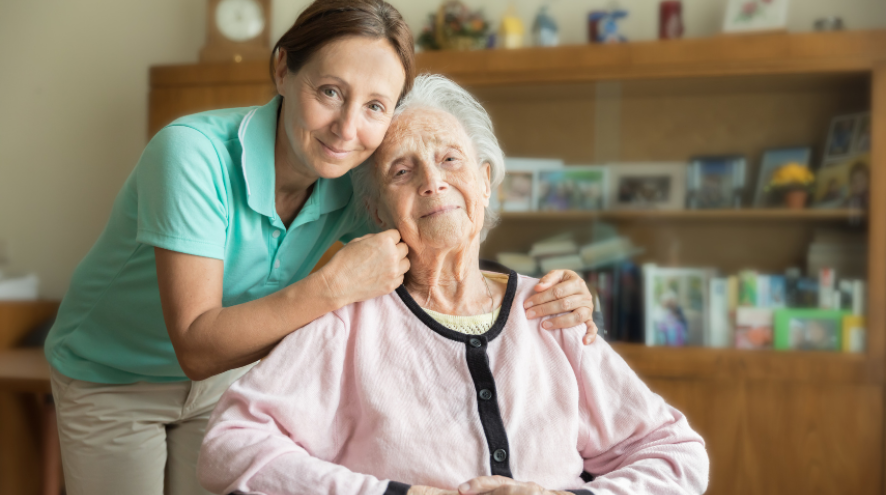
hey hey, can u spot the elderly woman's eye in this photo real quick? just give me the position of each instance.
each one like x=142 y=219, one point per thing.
x=400 y=172
x=375 y=107
x=330 y=92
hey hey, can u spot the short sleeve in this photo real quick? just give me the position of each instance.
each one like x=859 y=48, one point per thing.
x=182 y=194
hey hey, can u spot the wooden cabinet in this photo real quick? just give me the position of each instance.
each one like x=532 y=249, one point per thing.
x=774 y=422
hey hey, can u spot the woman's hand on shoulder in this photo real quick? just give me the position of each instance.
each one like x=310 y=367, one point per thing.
x=367 y=267
x=500 y=485
x=563 y=291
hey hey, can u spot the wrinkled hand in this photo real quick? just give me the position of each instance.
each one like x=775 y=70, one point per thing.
x=563 y=291
x=367 y=267
x=499 y=485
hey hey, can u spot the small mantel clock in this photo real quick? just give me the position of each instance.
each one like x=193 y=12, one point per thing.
x=237 y=31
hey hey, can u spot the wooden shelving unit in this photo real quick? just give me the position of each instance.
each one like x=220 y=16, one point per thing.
x=774 y=422
x=757 y=215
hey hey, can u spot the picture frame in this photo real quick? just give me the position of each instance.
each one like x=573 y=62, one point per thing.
x=675 y=305
x=573 y=187
x=845 y=184
x=772 y=160
x=809 y=329
x=652 y=186
x=518 y=189
x=755 y=15
x=861 y=143
x=843 y=138
x=715 y=182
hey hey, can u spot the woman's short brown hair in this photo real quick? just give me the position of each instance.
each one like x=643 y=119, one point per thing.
x=326 y=20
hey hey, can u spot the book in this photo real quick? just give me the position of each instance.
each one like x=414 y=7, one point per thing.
x=519 y=262
x=554 y=246
x=764 y=298
x=826 y=287
x=718 y=331
x=564 y=262
x=747 y=285
x=854 y=334
x=777 y=292
x=753 y=328
x=612 y=249
x=859 y=294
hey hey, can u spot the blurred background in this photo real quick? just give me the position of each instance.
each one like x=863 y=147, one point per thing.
x=657 y=148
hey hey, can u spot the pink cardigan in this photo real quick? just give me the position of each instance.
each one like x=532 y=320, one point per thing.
x=378 y=396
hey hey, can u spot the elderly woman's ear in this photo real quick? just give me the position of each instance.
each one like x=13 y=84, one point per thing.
x=486 y=177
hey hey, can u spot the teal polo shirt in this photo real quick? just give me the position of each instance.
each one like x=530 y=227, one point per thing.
x=203 y=186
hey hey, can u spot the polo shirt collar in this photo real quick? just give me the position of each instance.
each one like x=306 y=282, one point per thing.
x=257 y=135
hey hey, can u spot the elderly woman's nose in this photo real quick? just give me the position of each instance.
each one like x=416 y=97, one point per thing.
x=345 y=125
x=433 y=181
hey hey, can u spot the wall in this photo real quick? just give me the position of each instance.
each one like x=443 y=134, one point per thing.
x=73 y=94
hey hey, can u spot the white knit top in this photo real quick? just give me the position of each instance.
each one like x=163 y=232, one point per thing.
x=470 y=325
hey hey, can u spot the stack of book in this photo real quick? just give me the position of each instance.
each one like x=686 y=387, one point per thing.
x=788 y=312
x=563 y=253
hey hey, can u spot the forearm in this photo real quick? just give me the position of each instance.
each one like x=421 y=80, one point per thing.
x=225 y=338
x=276 y=466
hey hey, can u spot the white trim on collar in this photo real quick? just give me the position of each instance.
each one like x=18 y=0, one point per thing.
x=241 y=133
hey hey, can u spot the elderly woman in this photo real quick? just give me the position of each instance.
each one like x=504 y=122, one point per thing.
x=444 y=384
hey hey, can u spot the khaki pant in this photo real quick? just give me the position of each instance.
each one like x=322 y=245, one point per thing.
x=138 y=439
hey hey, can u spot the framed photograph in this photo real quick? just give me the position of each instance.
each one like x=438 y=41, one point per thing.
x=773 y=160
x=809 y=329
x=655 y=186
x=841 y=136
x=753 y=328
x=675 y=305
x=518 y=189
x=574 y=187
x=844 y=184
x=755 y=15
x=715 y=182
x=862 y=141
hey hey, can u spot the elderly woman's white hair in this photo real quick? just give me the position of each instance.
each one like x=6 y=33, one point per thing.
x=433 y=91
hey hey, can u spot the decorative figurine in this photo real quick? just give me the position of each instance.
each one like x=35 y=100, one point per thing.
x=670 y=20
x=510 y=35
x=606 y=25
x=544 y=29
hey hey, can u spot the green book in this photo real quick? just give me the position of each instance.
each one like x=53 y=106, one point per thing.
x=809 y=329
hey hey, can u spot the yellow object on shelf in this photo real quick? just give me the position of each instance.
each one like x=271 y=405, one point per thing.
x=511 y=33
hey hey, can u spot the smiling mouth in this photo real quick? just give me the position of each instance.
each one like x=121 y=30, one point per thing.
x=440 y=211
x=332 y=151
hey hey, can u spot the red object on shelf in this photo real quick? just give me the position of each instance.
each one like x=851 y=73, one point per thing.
x=670 y=20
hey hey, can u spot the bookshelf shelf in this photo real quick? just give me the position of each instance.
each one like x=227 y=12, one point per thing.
x=850 y=215
x=737 y=364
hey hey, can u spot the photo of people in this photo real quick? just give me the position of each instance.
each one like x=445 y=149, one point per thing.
x=572 y=188
x=515 y=191
x=715 y=182
x=676 y=305
x=844 y=184
x=814 y=334
x=840 y=136
x=644 y=191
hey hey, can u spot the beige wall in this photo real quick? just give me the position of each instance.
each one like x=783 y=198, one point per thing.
x=73 y=98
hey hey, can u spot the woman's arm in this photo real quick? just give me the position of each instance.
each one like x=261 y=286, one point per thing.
x=631 y=440
x=276 y=429
x=209 y=339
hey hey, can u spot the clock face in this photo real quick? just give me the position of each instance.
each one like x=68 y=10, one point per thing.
x=239 y=20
